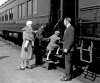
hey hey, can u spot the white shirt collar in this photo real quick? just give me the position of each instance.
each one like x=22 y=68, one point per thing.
x=68 y=25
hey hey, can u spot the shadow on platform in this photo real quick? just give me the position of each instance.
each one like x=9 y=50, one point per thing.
x=3 y=57
x=77 y=73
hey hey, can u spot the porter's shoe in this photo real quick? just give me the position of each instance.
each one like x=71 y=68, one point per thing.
x=26 y=49
x=29 y=67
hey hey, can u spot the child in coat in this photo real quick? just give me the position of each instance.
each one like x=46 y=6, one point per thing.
x=52 y=45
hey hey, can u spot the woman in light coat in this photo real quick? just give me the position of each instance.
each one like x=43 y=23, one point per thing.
x=28 y=42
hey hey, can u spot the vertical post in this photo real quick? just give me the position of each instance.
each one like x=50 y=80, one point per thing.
x=76 y=11
x=61 y=8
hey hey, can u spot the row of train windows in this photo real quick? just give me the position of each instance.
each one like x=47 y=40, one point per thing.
x=26 y=9
x=5 y=17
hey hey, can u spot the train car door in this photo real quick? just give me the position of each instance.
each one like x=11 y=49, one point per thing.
x=70 y=9
x=55 y=11
x=64 y=8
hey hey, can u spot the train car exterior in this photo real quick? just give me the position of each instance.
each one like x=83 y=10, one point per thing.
x=89 y=16
x=89 y=33
x=85 y=13
x=18 y=11
x=14 y=14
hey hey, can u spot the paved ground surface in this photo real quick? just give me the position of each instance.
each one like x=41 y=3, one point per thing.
x=9 y=60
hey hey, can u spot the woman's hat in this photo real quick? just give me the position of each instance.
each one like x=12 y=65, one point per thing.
x=29 y=23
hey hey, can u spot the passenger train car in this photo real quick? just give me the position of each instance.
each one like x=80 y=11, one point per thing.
x=14 y=14
x=89 y=34
x=85 y=15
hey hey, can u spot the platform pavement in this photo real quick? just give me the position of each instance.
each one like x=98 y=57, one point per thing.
x=9 y=61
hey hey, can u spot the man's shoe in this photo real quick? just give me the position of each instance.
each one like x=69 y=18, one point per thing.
x=66 y=78
x=34 y=65
x=29 y=67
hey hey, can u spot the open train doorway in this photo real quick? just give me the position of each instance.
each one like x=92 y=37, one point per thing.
x=70 y=9
x=55 y=11
x=64 y=8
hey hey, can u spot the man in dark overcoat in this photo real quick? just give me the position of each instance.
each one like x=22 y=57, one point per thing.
x=68 y=41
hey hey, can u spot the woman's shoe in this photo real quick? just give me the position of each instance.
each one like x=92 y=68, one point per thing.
x=21 y=68
x=66 y=78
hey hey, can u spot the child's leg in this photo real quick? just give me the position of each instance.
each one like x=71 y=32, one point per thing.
x=48 y=55
x=58 y=50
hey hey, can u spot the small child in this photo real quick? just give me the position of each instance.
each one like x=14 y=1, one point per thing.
x=52 y=43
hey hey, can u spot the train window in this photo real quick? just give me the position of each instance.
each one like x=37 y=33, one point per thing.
x=23 y=10
x=10 y=14
x=88 y=14
x=14 y=13
x=34 y=6
x=20 y=11
x=6 y=17
x=29 y=7
x=2 y=18
x=98 y=14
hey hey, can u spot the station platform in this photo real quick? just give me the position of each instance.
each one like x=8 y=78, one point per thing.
x=10 y=60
